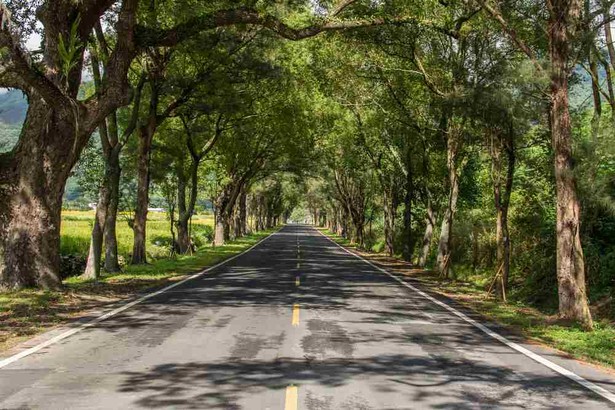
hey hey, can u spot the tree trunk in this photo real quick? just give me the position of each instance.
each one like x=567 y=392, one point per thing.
x=430 y=223
x=408 y=238
x=219 y=232
x=92 y=269
x=502 y=190
x=32 y=180
x=29 y=232
x=237 y=226
x=570 y=263
x=343 y=222
x=225 y=204
x=111 y=254
x=444 y=245
x=183 y=235
x=146 y=135
x=389 y=207
x=243 y=220
x=359 y=238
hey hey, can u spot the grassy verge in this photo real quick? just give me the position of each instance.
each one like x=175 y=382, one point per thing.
x=596 y=347
x=24 y=314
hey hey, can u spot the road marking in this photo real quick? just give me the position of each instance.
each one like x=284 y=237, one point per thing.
x=298 y=265
x=93 y=322
x=298 y=281
x=295 y=320
x=292 y=398
x=534 y=356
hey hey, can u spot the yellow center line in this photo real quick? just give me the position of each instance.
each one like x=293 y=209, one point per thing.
x=292 y=397
x=295 y=321
x=298 y=265
x=298 y=281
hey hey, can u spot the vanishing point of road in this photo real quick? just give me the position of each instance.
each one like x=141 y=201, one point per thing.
x=295 y=323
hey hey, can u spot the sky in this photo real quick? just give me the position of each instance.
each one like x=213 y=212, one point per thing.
x=33 y=42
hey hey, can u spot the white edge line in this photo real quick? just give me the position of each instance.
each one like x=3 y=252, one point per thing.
x=68 y=333
x=534 y=356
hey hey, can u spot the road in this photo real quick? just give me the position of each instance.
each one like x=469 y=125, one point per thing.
x=295 y=323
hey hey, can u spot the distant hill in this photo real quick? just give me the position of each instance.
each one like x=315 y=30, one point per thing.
x=13 y=107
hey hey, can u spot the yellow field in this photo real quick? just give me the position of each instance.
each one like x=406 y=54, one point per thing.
x=77 y=227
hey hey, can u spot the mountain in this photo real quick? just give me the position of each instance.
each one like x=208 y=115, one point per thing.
x=13 y=107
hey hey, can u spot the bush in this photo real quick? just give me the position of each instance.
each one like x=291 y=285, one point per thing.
x=202 y=235
x=72 y=265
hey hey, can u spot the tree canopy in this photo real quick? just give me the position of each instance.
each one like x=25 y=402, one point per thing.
x=439 y=131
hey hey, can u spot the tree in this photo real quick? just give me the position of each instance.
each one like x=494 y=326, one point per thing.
x=564 y=24
x=34 y=173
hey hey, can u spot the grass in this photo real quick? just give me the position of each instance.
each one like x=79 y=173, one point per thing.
x=597 y=346
x=26 y=313
x=77 y=227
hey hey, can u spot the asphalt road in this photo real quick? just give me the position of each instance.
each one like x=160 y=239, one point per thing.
x=296 y=323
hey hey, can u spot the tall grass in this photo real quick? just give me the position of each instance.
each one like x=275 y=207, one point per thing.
x=77 y=227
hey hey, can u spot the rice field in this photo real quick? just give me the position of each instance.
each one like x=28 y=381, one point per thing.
x=77 y=226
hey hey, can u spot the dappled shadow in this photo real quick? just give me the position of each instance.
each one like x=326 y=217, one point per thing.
x=364 y=326
x=442 y=382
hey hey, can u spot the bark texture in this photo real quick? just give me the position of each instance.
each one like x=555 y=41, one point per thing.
x=570 y=261
x=453 y=165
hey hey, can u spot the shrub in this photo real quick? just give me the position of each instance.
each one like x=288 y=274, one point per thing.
x=202 y=235
x=72 y=265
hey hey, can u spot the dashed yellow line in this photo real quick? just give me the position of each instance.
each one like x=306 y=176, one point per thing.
x=298 y=281
x=295 y=320
x=292 y=398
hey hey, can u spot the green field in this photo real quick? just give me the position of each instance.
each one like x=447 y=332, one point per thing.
x=77 y=227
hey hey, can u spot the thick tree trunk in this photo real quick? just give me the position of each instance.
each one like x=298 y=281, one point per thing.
x=184 y=244
x=225 y=204
x=32 y=180
x=146 y=135
x=29 y=234
x=430 y=223
x=570 y=262
x=222 y=230
x=56 y=129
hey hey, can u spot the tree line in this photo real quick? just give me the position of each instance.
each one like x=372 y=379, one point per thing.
x=400 y=114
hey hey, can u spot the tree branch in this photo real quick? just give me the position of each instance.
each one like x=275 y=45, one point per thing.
x=147 y=36
x=26 y=76
x=512 y=34
x=341 y=7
